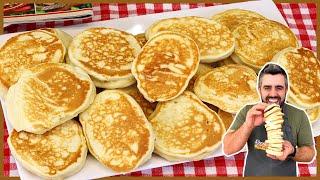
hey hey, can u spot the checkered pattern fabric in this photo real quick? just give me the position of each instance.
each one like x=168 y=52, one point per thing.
x=302 y=21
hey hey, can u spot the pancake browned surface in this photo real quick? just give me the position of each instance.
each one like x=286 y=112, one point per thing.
x=47 y=95
x=165 y=65
x=141 y=39
x=185 y=128
x=28 y=49
x=117 y=132
x=258 y=42
x=304 y=72
x=234 y=18
x=145 y=105
x=202 y=69
x=228 y=87
x=226 y=117
x=226 y=61
x=56 y=154
x=214 y=40
x=105 y=54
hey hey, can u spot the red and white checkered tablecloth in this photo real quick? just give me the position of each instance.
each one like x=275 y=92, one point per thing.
x=300 y=17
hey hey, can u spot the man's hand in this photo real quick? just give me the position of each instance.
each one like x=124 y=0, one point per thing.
x=255 y=115
x=287 y=149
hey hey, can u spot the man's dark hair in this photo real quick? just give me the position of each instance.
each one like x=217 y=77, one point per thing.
x=273 y=69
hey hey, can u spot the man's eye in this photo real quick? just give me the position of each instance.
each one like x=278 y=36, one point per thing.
x=279 y=88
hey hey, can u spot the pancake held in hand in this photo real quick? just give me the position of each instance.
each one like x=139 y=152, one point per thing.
x=105 y=54
x=274 y=121
x=117 y=132
x=228 y=87
x=214 y=40
x=165 y=65
x=304 y=71
x=258 y=42
x=234 y=18
x=28 y=49
x=56 y=154
x=185 y=128
x=146 y=106
x=47 y=95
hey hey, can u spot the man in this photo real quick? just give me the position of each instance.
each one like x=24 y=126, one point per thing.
x=248 y=128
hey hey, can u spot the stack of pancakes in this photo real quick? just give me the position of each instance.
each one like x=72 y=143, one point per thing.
x=274 y=121
x=303 y=68
x=148 y=75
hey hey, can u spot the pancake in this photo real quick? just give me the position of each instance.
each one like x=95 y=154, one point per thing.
x=47 y=95
x=114 y=84
x=118 y=134
x=104 y=53
x=28 y=49
x=233 y=18
x=303 y=68
x=202 y=69
x=56 y=154
x=225 y=61
x=141 y=38
x=274 y=121
x=185 y=128
x=214 y=40
x=258 y=42
x=226 y=117
x=146 y=106
x=165 y=65
x=314 y=114
x=229 y=87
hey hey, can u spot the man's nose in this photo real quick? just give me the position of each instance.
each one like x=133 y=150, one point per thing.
x=273 y=92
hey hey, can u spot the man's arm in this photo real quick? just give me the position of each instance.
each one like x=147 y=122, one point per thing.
x=304 y=154
x=234 y=141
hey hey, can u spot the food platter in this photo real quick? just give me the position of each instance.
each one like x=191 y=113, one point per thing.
x=136 y=25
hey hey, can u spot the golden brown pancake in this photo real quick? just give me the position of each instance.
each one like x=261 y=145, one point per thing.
x=47 y=95
x=215 y=41
x=141 y=39
x=228 y=87
x=117 y=132
x=226 y=117
x=56 y=154
x=303 y=69
x=258 y=42
x=234 y=18
x=28 y=49
x=165 y=65
x=202 y=69
x=185 y=128
x=106 y=54
x=314 y=114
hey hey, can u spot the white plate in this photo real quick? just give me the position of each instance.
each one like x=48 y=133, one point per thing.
x=136 y=25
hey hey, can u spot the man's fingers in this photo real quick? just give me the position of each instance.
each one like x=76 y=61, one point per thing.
x=272 y=156
x=260 y=106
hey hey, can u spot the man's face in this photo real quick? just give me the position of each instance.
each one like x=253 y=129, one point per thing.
x=273 y=89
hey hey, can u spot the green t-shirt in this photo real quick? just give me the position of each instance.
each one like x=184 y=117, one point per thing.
x=297 y=130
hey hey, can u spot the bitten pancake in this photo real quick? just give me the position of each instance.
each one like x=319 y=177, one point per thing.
x=258 y=42
x=303 y=68
x=56 y=154
x=145 y=105
x=214 y=40
x=202 y=69
x=234 y=18
x=47 y=95
x=117 y=132
x=165 y=65
x=105 y=54
x=28 y=49
x=228 y=87
x=185 y=128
